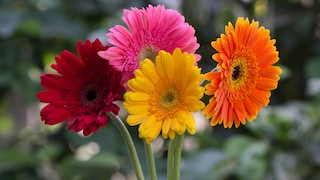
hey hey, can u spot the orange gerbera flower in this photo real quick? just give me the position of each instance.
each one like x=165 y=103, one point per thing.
x=245 y=76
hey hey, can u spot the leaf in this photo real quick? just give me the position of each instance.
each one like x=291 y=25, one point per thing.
x=252 y=164
x=237 y=145
x=30 y=26
x=252 y=169
x=51 y=150
x=100 y=165
x=286 y=72
x=256 y=149
x=6 y=123
x=13 y=159
x=201 y=164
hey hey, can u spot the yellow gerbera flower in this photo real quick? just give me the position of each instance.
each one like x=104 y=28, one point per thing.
x=163 y=95
x=245 y=56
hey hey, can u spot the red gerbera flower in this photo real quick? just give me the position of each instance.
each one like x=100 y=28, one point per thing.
x=83 y=92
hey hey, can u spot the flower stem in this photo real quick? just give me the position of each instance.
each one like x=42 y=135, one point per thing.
x=177 y=156
x=170 y=158
x=151 y=162
x=130 y=145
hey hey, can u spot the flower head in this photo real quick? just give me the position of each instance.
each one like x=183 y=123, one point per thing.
x=245 y=56
x=164 y=94
x=83 y=91
x=149 y=31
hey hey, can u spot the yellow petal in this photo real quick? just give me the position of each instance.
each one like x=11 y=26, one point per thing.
x=136 y=119
x=149 y=70
x=165 y=65
x=136 y=97
x=149 y=122
x=190 y=122
x=171 y=134
x=166 y=126
x=154 y=130
x=140 y=84
x=136 y=109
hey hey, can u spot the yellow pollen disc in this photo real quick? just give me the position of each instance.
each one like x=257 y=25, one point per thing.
x=238 y=73
x=169 y=99
x=241 y=74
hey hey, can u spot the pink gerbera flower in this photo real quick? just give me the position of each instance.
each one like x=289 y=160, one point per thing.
x=83 y=92
x=149 y=31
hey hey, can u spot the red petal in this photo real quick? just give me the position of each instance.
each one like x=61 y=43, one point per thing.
x=51 y=114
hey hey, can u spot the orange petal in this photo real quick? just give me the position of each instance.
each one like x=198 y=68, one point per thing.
x=271 y=72
x=250 y=109
x=267 y=84
x=209 y=109
x=268 y=59
x=260 y=96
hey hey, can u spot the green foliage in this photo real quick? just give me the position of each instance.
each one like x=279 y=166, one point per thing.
x=14 y=160
x=100 y=165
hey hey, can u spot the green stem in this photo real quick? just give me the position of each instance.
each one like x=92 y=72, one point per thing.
x=151 y=162
x=170 y=158
x=177 y=156
x=130 y=145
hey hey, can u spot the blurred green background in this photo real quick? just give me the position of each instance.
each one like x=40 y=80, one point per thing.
x=282 y=144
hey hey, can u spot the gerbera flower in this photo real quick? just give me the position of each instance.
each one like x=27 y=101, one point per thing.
x=83 y=92
x=149 y=31
x=164 y=94
x=245 y=56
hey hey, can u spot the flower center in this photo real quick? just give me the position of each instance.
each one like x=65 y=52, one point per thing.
x=169 y=99
x=236 y=73
x=241 y=74
x=148 y=52
x=90 y=95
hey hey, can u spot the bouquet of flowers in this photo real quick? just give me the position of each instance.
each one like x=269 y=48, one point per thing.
x=151 y=66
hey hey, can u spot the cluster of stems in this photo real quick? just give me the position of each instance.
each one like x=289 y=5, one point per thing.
x=174 y=153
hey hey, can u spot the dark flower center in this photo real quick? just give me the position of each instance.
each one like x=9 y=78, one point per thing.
x=91 y=95
x=236 y=73
x=169 y=97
